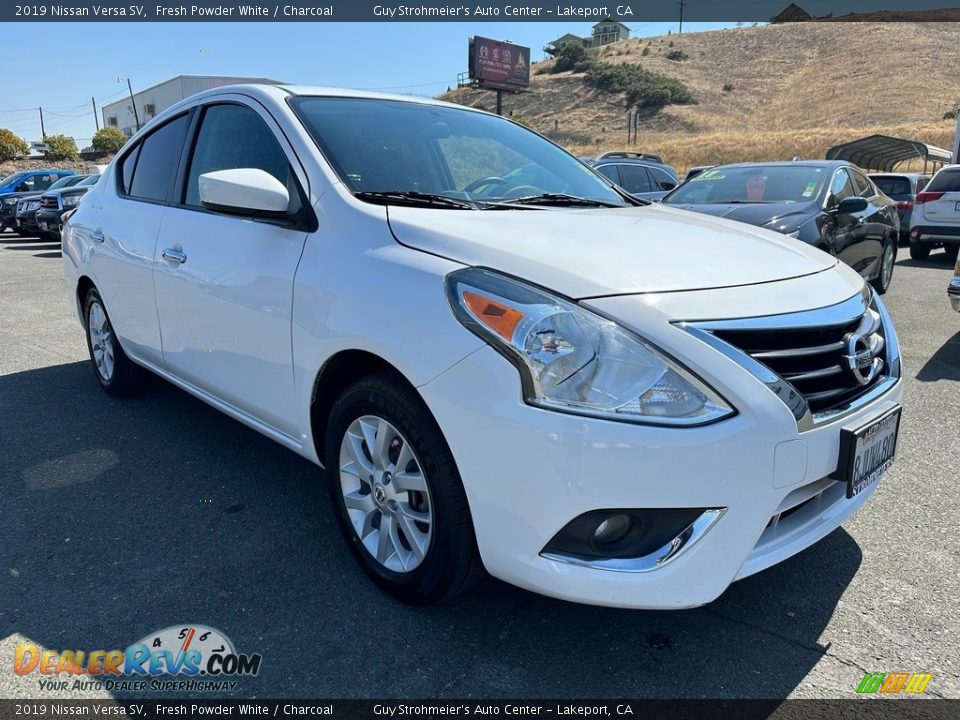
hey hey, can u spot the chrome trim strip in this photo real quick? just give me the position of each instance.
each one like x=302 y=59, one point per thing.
x=800 y=352
x=832 y=315
x=814 y=374
x=655 y=560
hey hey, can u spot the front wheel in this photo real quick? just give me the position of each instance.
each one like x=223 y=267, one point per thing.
x=397 y=493
x=115 y=372
x=888 y=258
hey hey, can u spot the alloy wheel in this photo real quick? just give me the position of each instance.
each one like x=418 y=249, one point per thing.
x=101 y=340
x=385 y=493
x=886 y=267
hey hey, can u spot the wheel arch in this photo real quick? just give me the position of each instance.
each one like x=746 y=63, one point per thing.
x=339 y=372
x=84 y=285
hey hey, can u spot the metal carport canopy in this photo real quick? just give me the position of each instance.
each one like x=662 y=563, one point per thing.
x=884 y=153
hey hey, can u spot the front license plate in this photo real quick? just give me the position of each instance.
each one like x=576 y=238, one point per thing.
x=866 y=452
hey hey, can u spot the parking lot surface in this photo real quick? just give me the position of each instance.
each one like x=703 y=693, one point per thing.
x=123 y=517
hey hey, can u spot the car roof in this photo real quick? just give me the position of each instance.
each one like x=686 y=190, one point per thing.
x=790 y=163
x=900 y=174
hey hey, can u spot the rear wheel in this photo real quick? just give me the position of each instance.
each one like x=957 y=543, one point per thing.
x=919 y=251
x=115 y=372
x=397 y=494
x=888 y=259
x=951 y=251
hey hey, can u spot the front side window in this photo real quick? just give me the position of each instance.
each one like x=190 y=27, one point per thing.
x=234 y=136
x=156 y=161
x=841 y=187
x=390 y=146
x=635 y=179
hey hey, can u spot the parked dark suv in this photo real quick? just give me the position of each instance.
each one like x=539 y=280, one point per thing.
x=8 y=203
x=642 y=175
x=902 y=187
x=55 y=203
x=830 y=204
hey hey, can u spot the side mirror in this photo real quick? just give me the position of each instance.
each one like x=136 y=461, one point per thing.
x=247 y=191
x=851 y=205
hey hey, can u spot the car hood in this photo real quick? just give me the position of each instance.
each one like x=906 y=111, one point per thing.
x=22 y=195
x=596 y=252
x=769 y=215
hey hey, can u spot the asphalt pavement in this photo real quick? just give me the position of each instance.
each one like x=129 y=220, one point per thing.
x=122 y=517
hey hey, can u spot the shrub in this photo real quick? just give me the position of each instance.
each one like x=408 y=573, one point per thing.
x=677 y=55
x=646 y=51
x=572 y=57
x=728 y=87
x=950 y=115
x=644 y=90
x=108 y=140
x=62 y=147
x=12 y=145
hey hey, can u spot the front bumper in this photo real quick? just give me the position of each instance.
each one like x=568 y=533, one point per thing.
x=27 y=221
x=527 y=472
x=953 y=291
x=48 y=220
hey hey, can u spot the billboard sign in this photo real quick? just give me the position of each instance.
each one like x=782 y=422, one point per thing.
x=499 y=65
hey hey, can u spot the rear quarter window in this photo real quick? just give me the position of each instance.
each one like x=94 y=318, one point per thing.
x=945 y=181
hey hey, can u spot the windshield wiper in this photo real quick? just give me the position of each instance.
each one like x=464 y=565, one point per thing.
x=415 y=198
x=554 y=199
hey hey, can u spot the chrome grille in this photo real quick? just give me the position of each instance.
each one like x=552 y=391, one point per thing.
x=49 y=202
x=827 y=365
x=820 y=363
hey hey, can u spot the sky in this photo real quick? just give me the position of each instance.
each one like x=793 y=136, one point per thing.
x=415 y=58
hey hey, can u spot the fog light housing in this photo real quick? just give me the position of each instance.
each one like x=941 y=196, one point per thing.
x=612 y=529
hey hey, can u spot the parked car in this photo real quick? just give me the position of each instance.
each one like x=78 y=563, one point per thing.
x=953 y=290
x=502 y=360
x=695 y=170
x=26 y=217
x=642 y=178
x=9 y=202
x=935 y=221
x=55 y=202
x=829 y=204
x=903 y=188
x=31 y=180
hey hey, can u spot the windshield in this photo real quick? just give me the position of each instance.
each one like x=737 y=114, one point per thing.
x=751 y=184
x=66 y=181
x=89 y=180
x=389 y=146
x=11 y=179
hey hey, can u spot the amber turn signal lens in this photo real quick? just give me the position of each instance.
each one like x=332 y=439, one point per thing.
x=500 y=318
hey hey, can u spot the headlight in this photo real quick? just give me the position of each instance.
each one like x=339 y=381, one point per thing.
x=10 y=202
x=70 y=200
x=573 y=360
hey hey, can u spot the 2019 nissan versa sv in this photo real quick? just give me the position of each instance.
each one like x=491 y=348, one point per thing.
x=501 y=360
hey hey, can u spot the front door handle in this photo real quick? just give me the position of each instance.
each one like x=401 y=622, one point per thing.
x=174 y=256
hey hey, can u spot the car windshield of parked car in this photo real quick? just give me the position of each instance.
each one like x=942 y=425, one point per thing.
x=751 y=184
x=90 y=180
x=891 y=185
x=389 y=146
x=11 y=179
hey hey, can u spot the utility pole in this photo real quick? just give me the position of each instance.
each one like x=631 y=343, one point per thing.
x=956 y=141
x=133 y=104
x=43 y=132
x=96 y=120
x=682 y=3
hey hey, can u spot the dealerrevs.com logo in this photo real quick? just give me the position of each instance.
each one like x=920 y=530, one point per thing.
x=179 y=658
x=894 y=683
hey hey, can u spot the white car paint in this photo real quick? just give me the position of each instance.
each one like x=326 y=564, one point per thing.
x=251 y=318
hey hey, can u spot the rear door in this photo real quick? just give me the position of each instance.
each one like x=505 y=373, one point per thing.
x=940 y=200
x=224 y=282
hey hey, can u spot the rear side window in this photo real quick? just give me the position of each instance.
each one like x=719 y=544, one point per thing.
x=663 y=179
x=234 y=136
x=893 y=185
x=635 y=179
x=862 y=185
x=157 y=161
x=945 y=181
x=127 y=164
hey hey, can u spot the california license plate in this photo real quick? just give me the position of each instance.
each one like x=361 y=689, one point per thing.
x=868 y=451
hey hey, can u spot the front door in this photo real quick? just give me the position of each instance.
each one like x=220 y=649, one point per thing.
x=224 y=283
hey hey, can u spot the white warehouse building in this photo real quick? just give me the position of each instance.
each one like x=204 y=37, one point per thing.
x=154 y=100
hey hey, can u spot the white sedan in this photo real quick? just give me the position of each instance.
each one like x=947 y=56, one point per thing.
x=501 y=360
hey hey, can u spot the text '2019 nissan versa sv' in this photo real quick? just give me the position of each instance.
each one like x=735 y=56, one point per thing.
x=501 y=360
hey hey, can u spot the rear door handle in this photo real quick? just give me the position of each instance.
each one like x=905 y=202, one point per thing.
x=174 y=256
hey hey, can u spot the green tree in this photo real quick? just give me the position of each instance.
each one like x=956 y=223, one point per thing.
x=12 y=146
x=108 y=140
x=62 y=147
x=572 y=57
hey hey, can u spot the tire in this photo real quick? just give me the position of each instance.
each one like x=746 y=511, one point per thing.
x=448 y=562
x=888 y=260
x=952 y=251
x=115 y=372
x=919 y=251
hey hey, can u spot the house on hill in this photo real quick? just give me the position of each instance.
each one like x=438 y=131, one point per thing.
x=609 y=31
x=605 y=32
x=791 y=13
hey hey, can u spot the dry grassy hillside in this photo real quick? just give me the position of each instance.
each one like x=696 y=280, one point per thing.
x=797 y=89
